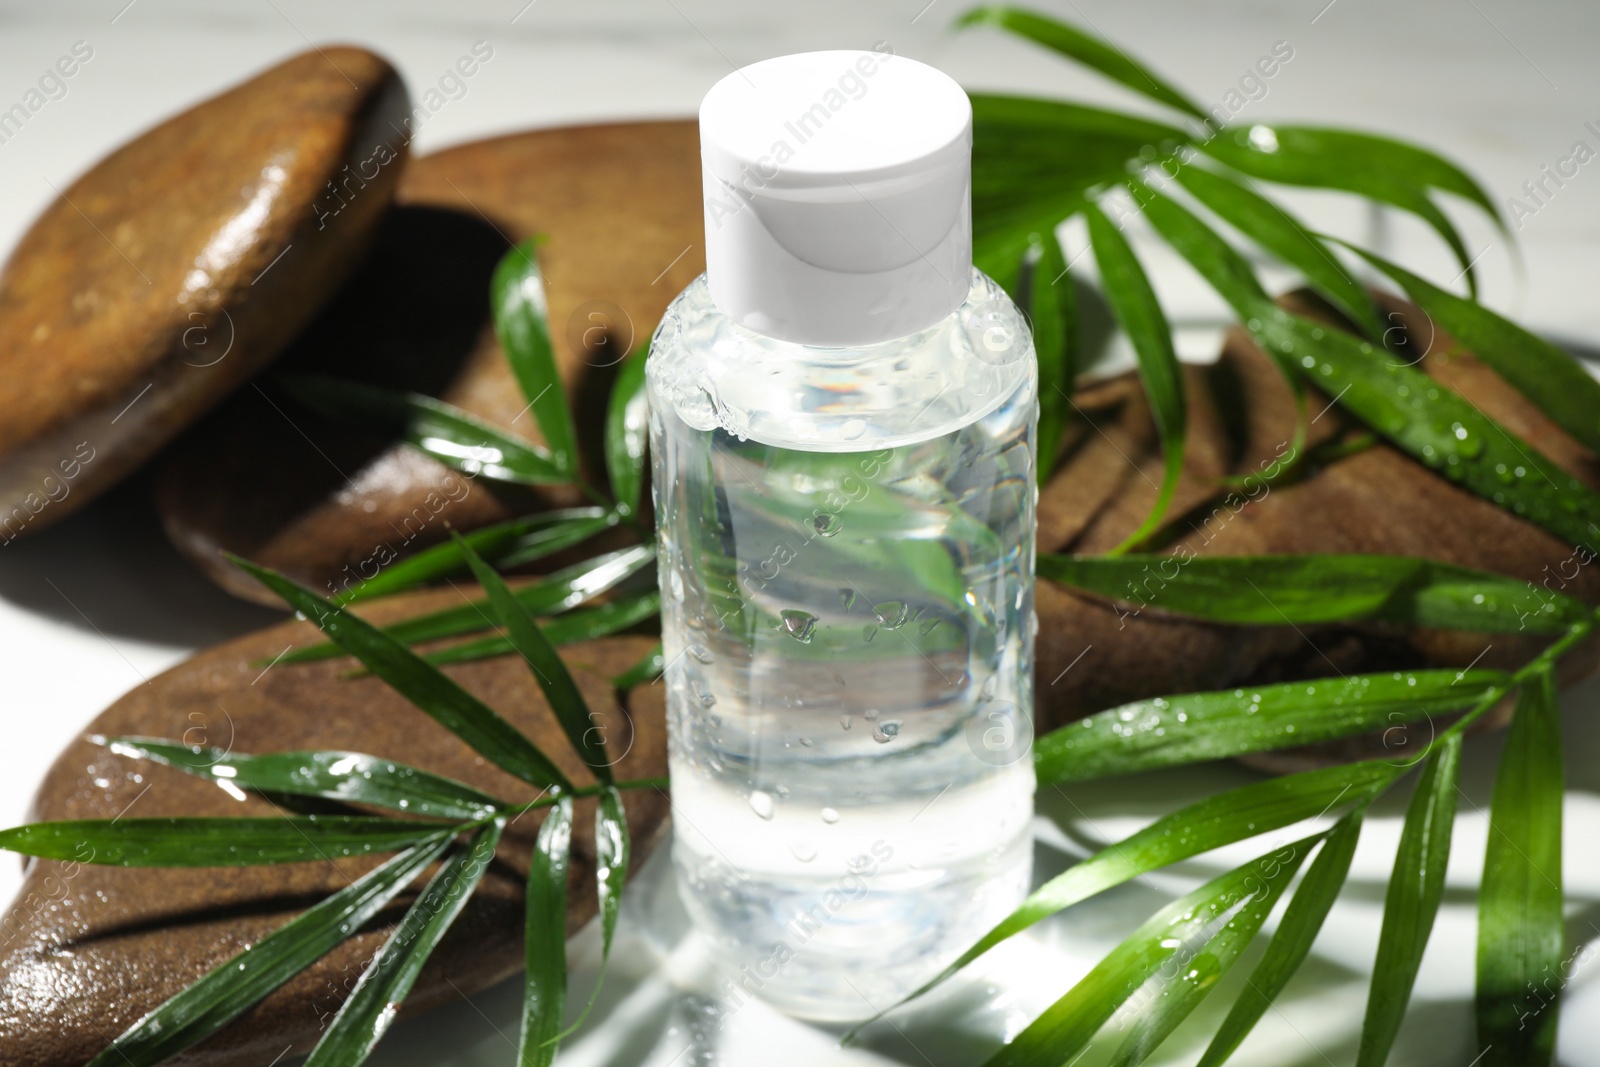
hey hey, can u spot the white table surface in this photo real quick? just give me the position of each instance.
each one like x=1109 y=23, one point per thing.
x=101 y=604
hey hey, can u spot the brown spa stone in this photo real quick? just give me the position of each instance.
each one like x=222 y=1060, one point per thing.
x=266 y=478
x=163 y=278
x=87 y=950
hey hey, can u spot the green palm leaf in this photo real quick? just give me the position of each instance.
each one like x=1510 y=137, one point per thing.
x=516 y=295
x=1519 y=903
x=1034 y=162
x=351 y=777
x=419 y=682
x=1258 y=808
x=557 y=592
x=456 y=438
x=1291 y=944
x=1328 y=159
x=647 y=669
x=1280 y=233
x=1134 y=303
x=1538 y=369
x=1242 y=897
x=1176 y=991
x=545 y=936
x=628 y=432
x=215 y=842
x=229 y=990
x=1412 y=902
x=1437 y=426
x=1170 y=731
x=506 y=544
x=519 y=627
x=1312 y=589
x=1093 y=52
x=1046 y=295
x=581 y=625
x=370 y=1009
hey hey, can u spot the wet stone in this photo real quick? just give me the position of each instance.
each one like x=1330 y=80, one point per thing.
x=86 y=950
x=159 y=281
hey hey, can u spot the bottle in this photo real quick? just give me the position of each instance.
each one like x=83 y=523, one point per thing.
x=842 y=418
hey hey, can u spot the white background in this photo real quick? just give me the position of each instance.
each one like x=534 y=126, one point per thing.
x=101 y=605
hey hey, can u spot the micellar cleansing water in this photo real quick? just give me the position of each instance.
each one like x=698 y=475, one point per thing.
x=843 y=414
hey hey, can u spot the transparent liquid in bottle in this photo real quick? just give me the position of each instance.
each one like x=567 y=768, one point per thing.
x=847 y=565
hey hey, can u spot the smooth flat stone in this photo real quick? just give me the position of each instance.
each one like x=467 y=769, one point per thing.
x=163 y=278
x=86 y=950
x=267 y=479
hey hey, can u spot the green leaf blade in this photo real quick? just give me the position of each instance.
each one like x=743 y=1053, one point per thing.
x=1347 y=161
x=1050 y=303
x=1320 y=588
x=613 y=850
x=371 y=1007
x=1171 y=731
x=215 y=842
x=647 y=669
x=1180 y=990
x=628 y=432
x=349 y=777
x=227 y=992
x=1258 y=808
x=1412 y=901
x=1091 y=51
x=556 y=592
x=1136 y=308
x=1539 y=370
x=571 y=710
x=584 y=624
x=1068 y=1025
x=421 y=683
x=521 y=540
x=545 y=939
x=1292 y=942
x=1436 y=425
x=1520 y=931
x=1280 y=233
x=517 y=297
x=454 y=437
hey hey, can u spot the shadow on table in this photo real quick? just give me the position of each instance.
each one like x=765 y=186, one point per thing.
x=109 y=569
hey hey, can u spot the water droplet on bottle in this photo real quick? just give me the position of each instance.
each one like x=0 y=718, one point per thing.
x=847 y=597
x=761 y=803
x=891 y=613
x=803 y=850
x=675 y=583
x=798 y=624
x=830 y=816
x=852 y=429
x=845 y=721
x=884 y=732
x=806 y=742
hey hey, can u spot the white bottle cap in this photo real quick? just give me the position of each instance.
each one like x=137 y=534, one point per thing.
x=838 y=196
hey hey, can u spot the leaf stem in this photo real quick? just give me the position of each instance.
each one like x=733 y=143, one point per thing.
x=555 y=796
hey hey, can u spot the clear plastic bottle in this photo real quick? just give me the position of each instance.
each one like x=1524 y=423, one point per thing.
x=847 y=563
